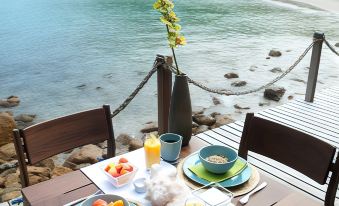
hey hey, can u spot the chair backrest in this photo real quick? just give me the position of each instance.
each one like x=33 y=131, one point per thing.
x=302 y=152
x=43 y=140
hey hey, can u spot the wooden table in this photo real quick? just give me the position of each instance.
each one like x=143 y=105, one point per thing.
x=74 y=185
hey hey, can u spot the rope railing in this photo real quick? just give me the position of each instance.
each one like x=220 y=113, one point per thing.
x=331 y=47
x=229 y=92
x=122 y=106
x=161 y=62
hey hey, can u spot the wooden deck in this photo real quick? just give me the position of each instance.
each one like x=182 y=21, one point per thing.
x=320 y=119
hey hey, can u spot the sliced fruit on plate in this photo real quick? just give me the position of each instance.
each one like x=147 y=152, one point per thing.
x=99 y=202
x=113 y=172
x=118 y=203
x=127 y=167
x=109 y=166
x=118 y=167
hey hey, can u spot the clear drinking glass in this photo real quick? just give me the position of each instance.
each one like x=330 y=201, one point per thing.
x=152 y=150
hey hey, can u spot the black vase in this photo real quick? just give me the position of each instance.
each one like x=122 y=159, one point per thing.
x=180 y=114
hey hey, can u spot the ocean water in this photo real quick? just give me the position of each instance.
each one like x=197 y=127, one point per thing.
x=62 y=56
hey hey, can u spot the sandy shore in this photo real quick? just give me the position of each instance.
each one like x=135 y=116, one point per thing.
x=328 y=5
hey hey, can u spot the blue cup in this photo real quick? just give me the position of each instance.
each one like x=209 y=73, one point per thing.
x=170 y=146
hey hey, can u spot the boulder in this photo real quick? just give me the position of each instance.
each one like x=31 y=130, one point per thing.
x=201 y=111
x=274 y=93
x=222 y=119
x=276 y=70
x=7 y=124
x=337 y=44
x=264 y=104
x=252 y=68
x=38 y=174
x=268 y=57
x=12 y=180
x=10 y=193
x=274 y=53
x=216 y=101
x=290 y=97
x=213 y=114
x=49 y=163
x=135 y=144
x=25 y=117
x=194 y=125
x=23 y=125
x=201 y=128
x=87 y=154
x=124 y=139
x=288 y=50
x=203 y=119
x=238 y=83
x=60 y=170
x=149 y=127
x=11 y=101
x=7 y=152
x=231 y=75
x=237 y=106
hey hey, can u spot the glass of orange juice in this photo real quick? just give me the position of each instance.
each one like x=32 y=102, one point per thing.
x=152 y=150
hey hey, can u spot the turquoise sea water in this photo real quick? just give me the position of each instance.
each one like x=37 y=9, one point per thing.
x=62 y=56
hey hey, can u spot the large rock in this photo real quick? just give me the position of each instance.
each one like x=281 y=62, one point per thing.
x=60 y=170
x=203 y=119
x=216 y=101
x=38 y=174
x=25 y=117
x=135 y=144
x=10 y=193
x=7 y=124
x=222 y=119
x=274 y=93
x=124 y=139
x=149 y=127
x=231 y=75
x=274 y=53
x=239 y=83
x=237 y=106
x=276 y=70
x=337 y=44
x=87 y=154
x=253 y=68
x=7 y=152
x=12 y=180
x=46 y=163
x=11 y=101
x=201 y=128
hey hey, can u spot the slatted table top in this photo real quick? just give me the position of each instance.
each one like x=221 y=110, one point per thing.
x=319 y=118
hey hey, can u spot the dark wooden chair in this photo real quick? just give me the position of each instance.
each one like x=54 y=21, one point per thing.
x=302 y=152
x=43 y=140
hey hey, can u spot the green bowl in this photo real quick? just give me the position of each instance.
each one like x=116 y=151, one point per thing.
x=217 y=168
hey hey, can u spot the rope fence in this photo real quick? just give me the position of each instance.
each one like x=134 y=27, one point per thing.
x=331 y=47
x=161 y=62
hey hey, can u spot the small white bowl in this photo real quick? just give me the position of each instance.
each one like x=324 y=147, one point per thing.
x=121 y=180
x=140 y=185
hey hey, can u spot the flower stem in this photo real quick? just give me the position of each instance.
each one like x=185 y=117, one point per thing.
x=175 y=59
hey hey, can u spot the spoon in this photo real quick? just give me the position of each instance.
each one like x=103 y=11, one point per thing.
x=245 y=199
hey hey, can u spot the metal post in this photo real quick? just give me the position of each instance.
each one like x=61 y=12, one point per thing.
x=314 y=66
x=164 y=76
